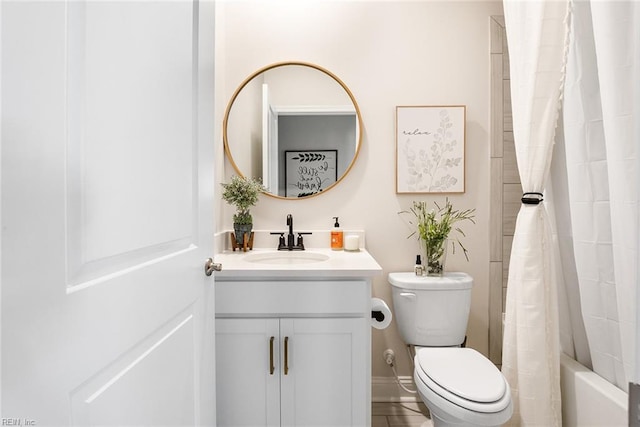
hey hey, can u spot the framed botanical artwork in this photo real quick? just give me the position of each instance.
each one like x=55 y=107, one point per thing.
x=430 y=148
x=309 y=172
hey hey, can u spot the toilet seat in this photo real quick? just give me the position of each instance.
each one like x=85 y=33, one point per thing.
x=463 y=377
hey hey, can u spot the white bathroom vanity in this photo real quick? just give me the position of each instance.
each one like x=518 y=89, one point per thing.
x=293 y=338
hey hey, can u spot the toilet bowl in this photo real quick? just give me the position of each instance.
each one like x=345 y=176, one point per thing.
x=459 y=385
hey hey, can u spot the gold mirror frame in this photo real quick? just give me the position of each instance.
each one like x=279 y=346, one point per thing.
x=359 y=128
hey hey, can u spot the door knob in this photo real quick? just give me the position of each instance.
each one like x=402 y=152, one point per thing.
x=210 y=267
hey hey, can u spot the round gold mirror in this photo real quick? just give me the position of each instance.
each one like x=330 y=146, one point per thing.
x=295 y=126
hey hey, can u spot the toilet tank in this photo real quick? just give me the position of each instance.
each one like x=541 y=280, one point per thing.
x=431 y=311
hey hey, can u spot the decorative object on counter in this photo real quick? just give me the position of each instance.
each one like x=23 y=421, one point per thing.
x=336 y=236
x=430 y=146
x=351 y=243
x=242 y=192
x=433 y=230
x=418 y=268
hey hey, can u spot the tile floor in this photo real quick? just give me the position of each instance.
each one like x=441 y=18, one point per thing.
x=400 y=414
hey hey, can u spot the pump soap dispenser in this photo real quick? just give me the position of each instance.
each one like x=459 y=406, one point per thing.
x=336 y=236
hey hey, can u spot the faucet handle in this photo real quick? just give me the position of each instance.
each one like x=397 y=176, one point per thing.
x=281 y=242
x=300 y=242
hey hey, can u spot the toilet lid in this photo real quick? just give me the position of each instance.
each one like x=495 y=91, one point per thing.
x=447 y=282
x=463 y=376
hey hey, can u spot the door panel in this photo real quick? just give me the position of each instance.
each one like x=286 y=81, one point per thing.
x=245 y=350
x=269 y=143
x=130 y=110
x=326 y=371
x=124 y=383
x=107 y=212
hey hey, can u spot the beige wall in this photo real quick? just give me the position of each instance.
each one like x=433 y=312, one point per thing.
x=388 y=53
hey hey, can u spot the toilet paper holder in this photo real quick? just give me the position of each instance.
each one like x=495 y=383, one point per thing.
x=380 y=314
x=377 y=315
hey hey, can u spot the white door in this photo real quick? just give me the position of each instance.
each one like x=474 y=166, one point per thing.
x=270 y=158
x=107 y=197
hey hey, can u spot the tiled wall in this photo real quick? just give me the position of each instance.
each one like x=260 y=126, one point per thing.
x=506 y=190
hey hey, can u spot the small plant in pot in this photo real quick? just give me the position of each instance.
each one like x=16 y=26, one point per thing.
x=242 y=192
x=433 y=228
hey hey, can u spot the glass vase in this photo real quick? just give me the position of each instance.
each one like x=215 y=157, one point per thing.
x=435 y=252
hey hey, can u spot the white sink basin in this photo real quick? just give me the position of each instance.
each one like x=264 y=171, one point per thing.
x=286 y=257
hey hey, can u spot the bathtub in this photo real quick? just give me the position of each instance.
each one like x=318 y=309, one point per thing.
x=588 y=399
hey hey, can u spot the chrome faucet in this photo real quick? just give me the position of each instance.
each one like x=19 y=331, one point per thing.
x=291 y=243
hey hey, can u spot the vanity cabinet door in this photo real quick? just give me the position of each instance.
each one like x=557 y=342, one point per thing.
x=325 y=382
x=247 y=372
x=292 y=372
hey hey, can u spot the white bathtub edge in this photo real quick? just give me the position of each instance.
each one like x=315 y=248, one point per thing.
x=588 y=399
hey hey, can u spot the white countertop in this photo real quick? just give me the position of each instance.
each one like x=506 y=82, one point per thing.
x=339 y=264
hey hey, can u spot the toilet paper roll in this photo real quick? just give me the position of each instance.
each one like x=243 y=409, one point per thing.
x=380 y=314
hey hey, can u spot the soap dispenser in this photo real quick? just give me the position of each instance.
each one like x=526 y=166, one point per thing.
x=336 y=236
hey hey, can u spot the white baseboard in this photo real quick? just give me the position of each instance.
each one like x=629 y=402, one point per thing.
x=386 y=389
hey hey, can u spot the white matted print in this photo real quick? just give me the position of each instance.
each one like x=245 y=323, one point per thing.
x=430 y=149
x=309 y=172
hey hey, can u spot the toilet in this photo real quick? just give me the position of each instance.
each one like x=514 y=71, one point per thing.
x=459 y=385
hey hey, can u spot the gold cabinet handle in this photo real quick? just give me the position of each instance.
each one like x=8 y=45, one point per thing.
x=271 y=366
x=286 y=355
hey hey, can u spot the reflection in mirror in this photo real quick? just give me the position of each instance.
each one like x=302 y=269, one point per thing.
x=295 y=126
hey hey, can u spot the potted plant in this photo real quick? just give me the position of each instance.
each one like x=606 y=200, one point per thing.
x=433 y=228
x=242 y=192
